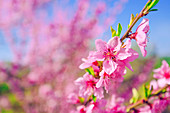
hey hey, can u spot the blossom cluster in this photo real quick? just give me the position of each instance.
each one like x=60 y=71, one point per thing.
x=162 y=99
x=107 y=65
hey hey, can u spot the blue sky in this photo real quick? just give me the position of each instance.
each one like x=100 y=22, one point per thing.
x=159 y=27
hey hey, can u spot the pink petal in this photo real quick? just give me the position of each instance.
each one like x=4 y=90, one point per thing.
x=154 y=84
x=143 y=51
x=141 y=38
x=128 y=43
x=114 y=43
x=144 y=26
x=128 y=66
x=79 y=81
x=99 y=93
x=157 y=75
x=89 y=108
x=101 y=45
x=162 y=82
x=122 y=54
x=98 y=56
x=134 y=55
x=99 y=83
x=87 y=63
x=165 y=66
x=109 y=66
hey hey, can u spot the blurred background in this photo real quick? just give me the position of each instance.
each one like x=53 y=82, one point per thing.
x=42 y=43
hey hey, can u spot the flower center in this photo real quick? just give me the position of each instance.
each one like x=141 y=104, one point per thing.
x=106 y=75
x=110 y=54
x=91 y=83
x=167 y=75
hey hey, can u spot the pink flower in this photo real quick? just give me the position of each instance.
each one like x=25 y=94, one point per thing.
x=115 y=105
x=163 y=73
x=141 y=35
x=111 y=54
x=159 y=106
x=85 y=109
x=73 y=98
x=105 y=79
x=89 y=61
x=132 y=57
x=87 y=86
x=45 y=90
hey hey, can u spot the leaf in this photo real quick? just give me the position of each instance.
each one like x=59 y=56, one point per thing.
x=131 y=20
x=150 y=91
x=94 y=98
x=4 y=88
x=164 y=90
x=81 y=99
x=135 y=96
x=113 y=31
x=119 y=30
x=153 y=4
x=90 y=71
x=147 y=91
x=148 y=4
x=153 y=10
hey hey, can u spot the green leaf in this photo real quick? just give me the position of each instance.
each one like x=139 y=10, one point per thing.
x=153 y=10
x=94 y=98
x=148 y=3
x=119 y=30
x=153 y=4
x=150 y=91
x=147 y=90
x=164 y=90
x=4 y=88
x=81 y=99
x=90 y=71
x=113 y=31
x=131 y=20
x=135 y=96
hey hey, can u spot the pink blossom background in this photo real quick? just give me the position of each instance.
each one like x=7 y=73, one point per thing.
x=46 y=40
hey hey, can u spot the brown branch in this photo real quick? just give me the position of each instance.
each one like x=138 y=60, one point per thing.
x=141 y=14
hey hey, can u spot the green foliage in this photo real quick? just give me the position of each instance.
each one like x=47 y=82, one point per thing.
x=147 y=90
x=119 y=30
x=135 y=96
x=81 y=99
x=94 y=98
x=4 y=88
x=90 y=71
x=6 y=111
x=153 y=10
x=113 y=32
x=132 y=18
x=148 y=4
x=153 y=4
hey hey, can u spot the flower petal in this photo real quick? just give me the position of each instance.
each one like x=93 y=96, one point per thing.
x=144 y=26
x=101 y=45
x=99 y=83
x=114 y=43
x=109 y=66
